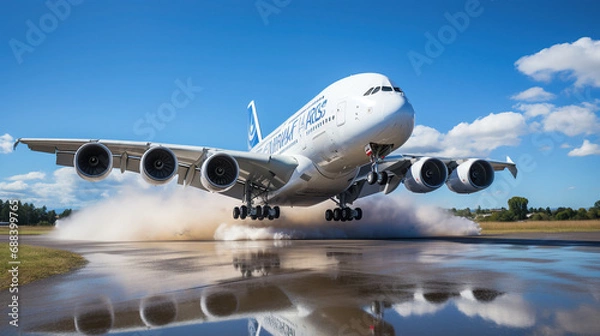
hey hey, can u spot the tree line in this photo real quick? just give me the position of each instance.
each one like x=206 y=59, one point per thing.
x=29 y=214
x=518 y=210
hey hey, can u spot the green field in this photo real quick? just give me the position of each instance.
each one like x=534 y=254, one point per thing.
x=28 y=230
x=540 y=226
x=37 y=263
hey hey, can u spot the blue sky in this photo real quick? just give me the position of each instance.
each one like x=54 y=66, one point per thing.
x=92 y=69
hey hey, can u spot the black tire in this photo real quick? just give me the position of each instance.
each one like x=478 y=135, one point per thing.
x=382 y=178
x=328 y=215
x=271 y=217
x=346 y=213
x=259 y=211
x=372 y=178
x=359 y=214
x=243 y=212
x=236 y=213
x=266 y=211
x=337 y=214
x=277 y=211
x=253 y=217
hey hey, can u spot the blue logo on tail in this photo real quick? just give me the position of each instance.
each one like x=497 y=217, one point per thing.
x=254 y=134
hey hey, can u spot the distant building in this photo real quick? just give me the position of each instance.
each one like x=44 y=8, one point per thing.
x=4 y=223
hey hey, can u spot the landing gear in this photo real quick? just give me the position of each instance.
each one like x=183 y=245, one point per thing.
x=343 y=214
x=257 y=212
x=377 y=152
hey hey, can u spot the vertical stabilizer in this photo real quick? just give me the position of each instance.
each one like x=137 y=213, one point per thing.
x=254 y=134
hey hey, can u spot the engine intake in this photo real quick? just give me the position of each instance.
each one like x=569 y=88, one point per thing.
x=425 y=175
x=471 y=176
x=95 y=318
x=158 y=165
x=219 y=172
x=219 y=304
x=93 y=161
x=158 y=311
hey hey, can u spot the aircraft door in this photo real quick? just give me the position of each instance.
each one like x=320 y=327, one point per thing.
x=340 y=113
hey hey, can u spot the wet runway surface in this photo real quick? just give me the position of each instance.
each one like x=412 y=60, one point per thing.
x=502 y=285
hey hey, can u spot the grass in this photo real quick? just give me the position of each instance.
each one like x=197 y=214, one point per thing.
x=37 y=263
x=28 y=230
x=540 y=226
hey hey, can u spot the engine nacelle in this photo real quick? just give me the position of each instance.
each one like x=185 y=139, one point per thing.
x=425 y=175
x=94 y=318
x=158 y=311
x=471 y=176
x=93 y=161
x=158 y=165
x=219 y=303
x=219 y=172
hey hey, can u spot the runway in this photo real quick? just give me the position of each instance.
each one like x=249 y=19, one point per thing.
x=500 y=285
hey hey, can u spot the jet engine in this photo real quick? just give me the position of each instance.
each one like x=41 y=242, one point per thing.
x=94 y=318
x=158 y=165
x=471 y=176
x=219 y=172
x=219 y=303
x=93 y=161
x=425 y=175
x=158 y=311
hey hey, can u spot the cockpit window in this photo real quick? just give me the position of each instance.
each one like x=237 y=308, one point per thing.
x=387 y=88
x=397 y=89
x=375 y=90
x=368 y=92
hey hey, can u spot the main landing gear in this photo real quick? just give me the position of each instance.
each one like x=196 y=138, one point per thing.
x=343 y=214
x=377 y=152
x=255 y=212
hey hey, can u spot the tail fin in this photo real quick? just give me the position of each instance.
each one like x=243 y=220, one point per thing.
x=254 y=134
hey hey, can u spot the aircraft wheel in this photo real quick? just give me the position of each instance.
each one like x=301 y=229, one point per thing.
x=372 y=178
x=253 y=217
x=328 y=215
x=271 y=217
x=277 y=211
x=236 y=213
x=266 y=211
x=382 y=178
x=243 y=212
x=346 y=213
x=259 y=211
x=358 y=214
x=337 y=214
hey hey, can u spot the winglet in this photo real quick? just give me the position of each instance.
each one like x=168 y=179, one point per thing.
x=16 y=143
x=254 y=133
x=512 y=168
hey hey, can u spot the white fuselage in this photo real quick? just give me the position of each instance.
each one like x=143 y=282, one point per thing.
x=328 y=136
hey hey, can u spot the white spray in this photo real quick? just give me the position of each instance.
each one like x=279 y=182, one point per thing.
x=187 y=214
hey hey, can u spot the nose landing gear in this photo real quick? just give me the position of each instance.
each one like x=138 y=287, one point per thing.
x=376 y=153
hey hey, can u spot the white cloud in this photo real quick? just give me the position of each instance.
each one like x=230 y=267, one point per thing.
x=65 y=189
x=534 y=94
x=6 y=143
x=571 y=120
x=29 y=176
x=566 y=146
x=587 y=148
x=534 y=110
x=478 y=138
x=580 y=60
x=13 y=186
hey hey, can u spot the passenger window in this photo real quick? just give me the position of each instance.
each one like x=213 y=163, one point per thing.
x=375 y=90
x=387 y=88
x=368 y=92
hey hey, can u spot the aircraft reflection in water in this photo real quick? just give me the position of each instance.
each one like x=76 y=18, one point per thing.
x=284 y=302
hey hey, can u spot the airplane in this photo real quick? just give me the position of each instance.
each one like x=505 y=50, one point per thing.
x=336 y=147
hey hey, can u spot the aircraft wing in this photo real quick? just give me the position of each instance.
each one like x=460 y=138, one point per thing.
x=398 y=165
x=267 y=172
